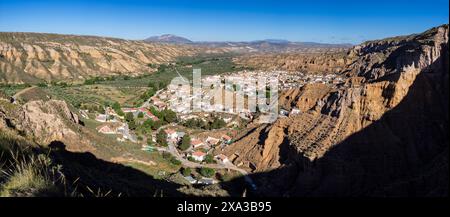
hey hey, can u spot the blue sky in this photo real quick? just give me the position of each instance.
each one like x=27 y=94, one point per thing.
x=342 y=21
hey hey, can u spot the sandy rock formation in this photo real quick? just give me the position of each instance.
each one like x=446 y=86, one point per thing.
x=312 y=63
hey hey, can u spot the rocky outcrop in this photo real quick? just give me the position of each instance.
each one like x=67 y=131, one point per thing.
x=304 y=98
x=44 y=122
x=33 y=57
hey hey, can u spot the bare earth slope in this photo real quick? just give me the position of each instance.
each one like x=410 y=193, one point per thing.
x=31 y=57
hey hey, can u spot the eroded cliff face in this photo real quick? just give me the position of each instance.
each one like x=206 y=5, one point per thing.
x=312 y=63
x=31 y=57
x=383 y=132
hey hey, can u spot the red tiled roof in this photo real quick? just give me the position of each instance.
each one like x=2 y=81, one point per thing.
x=199 y=154
x=196 y=142
x=226 y=137
x=169 y=131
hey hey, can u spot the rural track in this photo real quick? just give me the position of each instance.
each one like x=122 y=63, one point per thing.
x=23 y=91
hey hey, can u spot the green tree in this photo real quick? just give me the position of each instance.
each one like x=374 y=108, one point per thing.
x=174 y=161
x=207 y=172
x=116 y=105
x=155 y=112
x=129 y=117
x=186 y=171
x=148 y=125
x=185 y=142
x=157 y=125
x=132 y=125
x=169 y=115
x=140 y=115
x=218 y=123
x=42 y=84
x=161 y=138
x=117 y=108
x=209 y=158
x=120 y=113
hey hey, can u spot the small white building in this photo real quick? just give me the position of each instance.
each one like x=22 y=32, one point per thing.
x=196 y=143
x=171 y=134
x=222 y=158
x=101 y=118
x=227 y=120
x=207 y=181
x=105 y=129
x=198 y=156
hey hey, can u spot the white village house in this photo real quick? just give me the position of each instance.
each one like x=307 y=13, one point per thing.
x=171 y=134
x=101 y=118
x=198 y=156
x=196 y=143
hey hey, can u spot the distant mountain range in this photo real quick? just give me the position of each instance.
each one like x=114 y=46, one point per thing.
x=169 y=38
x=266 y=45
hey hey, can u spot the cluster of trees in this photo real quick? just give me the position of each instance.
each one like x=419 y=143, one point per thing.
x=166 y=115
x=198 y=123
x=207 y=172
x=209 y=159
x=149 y=124
x=171 y=158
x=129 y=118
x=53 y=83
x=96 y=80
x=147 y=94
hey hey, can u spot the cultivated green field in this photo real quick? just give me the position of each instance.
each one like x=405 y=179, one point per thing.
x=126 y=90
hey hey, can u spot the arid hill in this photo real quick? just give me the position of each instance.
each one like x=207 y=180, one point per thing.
x=384 y=132
x=34 y=57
